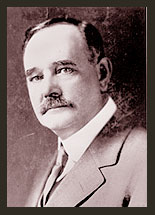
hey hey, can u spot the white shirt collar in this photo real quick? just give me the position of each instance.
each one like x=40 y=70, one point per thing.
x=76 y=145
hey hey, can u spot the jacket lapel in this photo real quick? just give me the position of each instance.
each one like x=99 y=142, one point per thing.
x=80 y=182
x=87 y=176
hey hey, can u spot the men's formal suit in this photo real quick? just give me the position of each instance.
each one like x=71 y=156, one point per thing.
x=111 y=173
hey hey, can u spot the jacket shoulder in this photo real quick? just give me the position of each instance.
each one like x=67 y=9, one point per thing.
x=137 y=140
x=138 y=133
x=128 y=144
x=134 y=150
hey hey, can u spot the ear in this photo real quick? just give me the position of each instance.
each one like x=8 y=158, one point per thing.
x=104 y=71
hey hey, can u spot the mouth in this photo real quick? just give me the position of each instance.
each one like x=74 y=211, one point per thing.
x=54 y=108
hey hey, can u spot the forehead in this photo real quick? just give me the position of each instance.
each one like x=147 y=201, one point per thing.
x=58 y=39
x=56 y=31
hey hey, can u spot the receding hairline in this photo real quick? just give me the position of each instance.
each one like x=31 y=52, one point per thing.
x=75 y=33
x=90 y=34
x=57 y=25
x=40 y=27
x=41 y=30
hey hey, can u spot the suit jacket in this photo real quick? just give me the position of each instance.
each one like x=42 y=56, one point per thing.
x=111 y=173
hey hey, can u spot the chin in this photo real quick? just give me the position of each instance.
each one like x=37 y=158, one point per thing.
x=57 y=122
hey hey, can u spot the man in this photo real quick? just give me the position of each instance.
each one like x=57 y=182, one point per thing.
x=67 y=77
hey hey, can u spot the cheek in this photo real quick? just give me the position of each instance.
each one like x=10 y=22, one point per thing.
x=78 y=91
x=35 y=96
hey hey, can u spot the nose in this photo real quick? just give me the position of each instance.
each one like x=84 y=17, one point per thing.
x=50 y=86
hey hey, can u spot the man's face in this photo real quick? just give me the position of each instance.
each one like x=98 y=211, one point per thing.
x=63 y=85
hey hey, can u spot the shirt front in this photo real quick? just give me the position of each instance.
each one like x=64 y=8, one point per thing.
x=77 y=144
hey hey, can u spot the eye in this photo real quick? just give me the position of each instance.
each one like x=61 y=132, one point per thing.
x=36 y=78
x=65 y=70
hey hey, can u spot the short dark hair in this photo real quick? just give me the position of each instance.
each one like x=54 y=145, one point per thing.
x=89 y=32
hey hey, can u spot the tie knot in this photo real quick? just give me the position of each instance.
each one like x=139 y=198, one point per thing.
x=62 y=157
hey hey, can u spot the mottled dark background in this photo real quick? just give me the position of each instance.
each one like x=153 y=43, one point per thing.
x=30 y=146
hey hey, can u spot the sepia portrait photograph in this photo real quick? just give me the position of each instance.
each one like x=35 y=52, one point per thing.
x=76 y=107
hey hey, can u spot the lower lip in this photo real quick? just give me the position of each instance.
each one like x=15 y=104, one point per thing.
x=56 y=109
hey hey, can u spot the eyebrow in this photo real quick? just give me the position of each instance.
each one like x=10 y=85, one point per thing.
x=64 y=63
x=29 y=72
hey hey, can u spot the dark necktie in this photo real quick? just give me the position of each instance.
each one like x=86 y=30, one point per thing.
x=56 y=171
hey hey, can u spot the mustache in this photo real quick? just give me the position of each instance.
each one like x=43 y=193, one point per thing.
x=51 y=103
